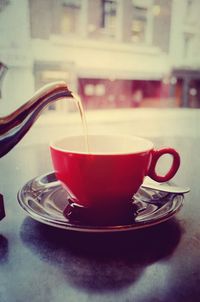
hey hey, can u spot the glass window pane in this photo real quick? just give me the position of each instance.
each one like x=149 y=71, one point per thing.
x=139 y=23
x=102 y=18
x=162 y=24
x=70 y=14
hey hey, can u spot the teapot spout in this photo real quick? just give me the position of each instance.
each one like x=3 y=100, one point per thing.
x=14 y=126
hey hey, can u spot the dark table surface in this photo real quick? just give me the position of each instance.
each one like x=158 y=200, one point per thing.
x=42 y=263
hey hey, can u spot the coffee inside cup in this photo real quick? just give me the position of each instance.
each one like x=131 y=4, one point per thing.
x=104 y=144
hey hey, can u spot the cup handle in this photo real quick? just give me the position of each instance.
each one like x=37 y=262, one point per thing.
x=173 y=169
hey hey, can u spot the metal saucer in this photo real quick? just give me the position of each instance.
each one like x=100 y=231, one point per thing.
x=44 y=199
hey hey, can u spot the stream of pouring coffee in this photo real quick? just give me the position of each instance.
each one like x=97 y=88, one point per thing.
x=79 y=105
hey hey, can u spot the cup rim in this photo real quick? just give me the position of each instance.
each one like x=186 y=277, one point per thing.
x=149 y=144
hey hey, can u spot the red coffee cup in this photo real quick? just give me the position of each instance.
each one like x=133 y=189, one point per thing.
x=113 y=170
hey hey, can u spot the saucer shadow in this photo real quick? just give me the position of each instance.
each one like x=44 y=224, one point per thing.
x=113 y=260
x=3 y=249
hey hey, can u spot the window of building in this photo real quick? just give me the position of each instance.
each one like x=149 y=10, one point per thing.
x=70 y=15
x=192 y=12
x=59 y=17
x=3 y=4
x=145 y=21
x=139 y=23
x=161 y=24
x=102 y=18
x=109 y=8
x=188 y=46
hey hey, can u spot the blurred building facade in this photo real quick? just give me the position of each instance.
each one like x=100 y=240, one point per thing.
x=114 y=53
